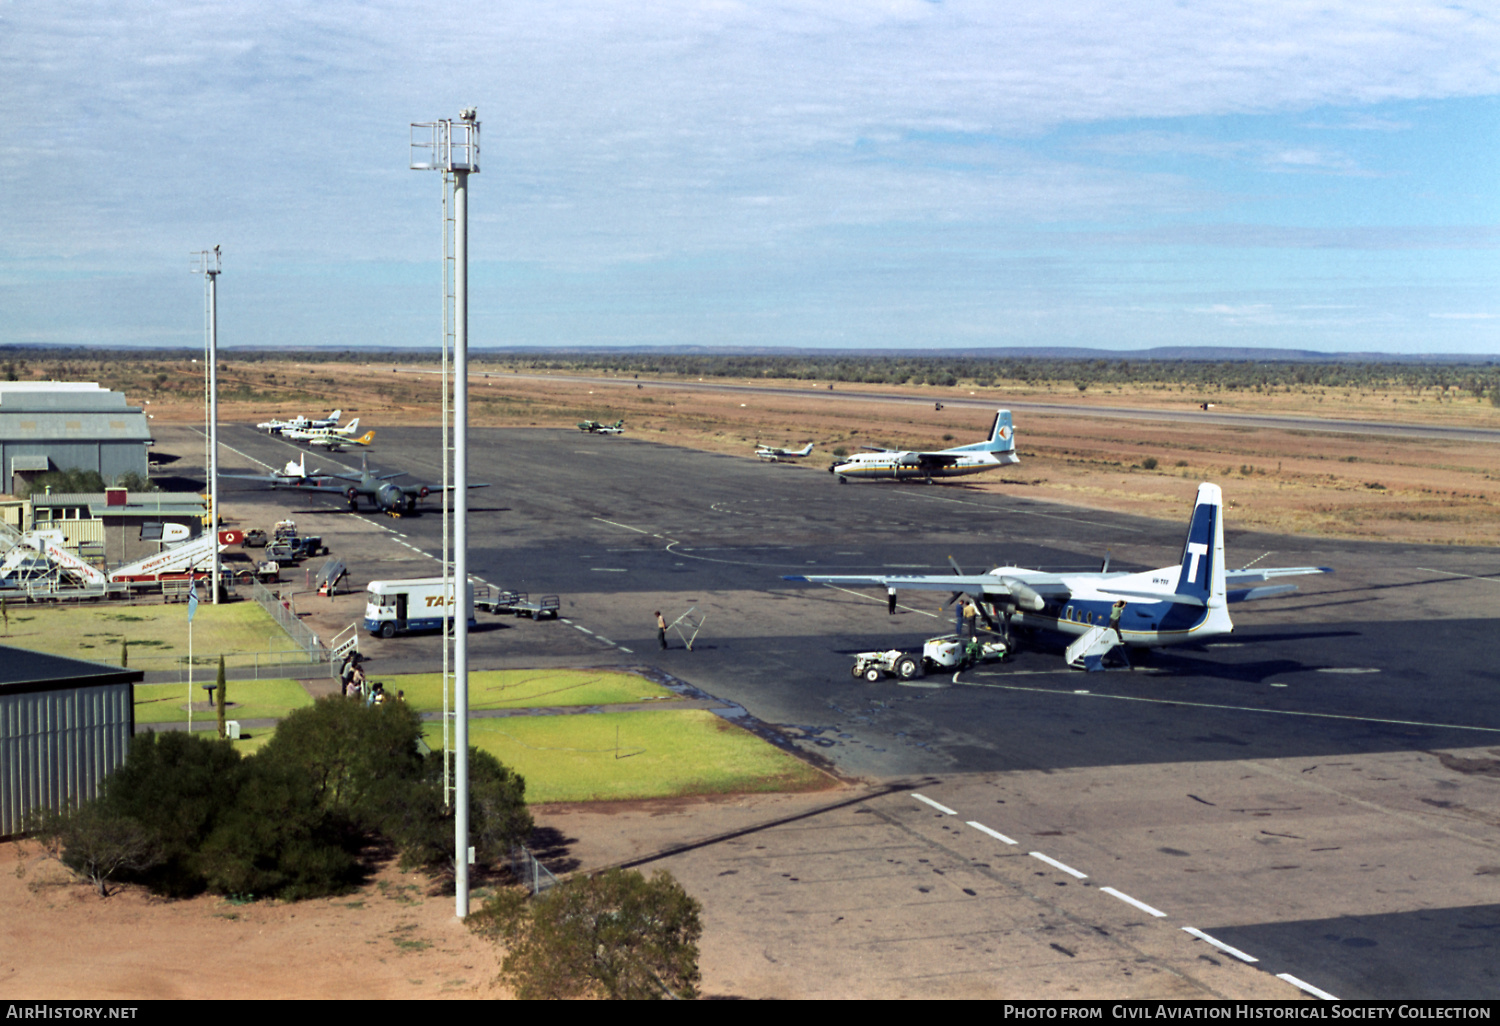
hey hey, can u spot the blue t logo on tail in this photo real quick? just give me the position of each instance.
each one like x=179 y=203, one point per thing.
x=1197 y=553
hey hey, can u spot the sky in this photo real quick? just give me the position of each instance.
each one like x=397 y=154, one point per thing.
x=860 y=175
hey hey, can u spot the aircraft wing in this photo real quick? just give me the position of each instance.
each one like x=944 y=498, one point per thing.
x=1028 y=594
x=1237 y=577
x=1241 y=583
x=880 y=448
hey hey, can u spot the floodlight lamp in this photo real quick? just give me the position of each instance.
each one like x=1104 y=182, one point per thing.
x=468 y=114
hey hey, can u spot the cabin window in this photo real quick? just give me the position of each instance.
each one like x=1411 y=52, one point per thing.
x=1069 y=613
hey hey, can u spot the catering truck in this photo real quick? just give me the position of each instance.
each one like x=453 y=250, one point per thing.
x=396 y=607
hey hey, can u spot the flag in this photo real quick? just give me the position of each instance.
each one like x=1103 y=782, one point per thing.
x=192 y=598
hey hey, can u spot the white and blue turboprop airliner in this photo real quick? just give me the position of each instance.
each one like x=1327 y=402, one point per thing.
x=959 y=461
x=1182 y=603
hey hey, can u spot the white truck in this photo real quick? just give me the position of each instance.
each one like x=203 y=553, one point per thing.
x=418 y=604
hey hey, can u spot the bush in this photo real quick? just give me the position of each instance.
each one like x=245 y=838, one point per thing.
x=97 y=844
x=615 y=935
x=498 y=821
x=1149 y=463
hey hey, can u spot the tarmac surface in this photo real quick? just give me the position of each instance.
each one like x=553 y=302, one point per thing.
x=1320 y=791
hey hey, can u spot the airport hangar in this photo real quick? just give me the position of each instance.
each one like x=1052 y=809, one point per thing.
x=1374 y=668
x=63 y=425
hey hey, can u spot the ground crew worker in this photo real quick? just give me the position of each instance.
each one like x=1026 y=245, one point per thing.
x=1114 y=617
x=661 y=630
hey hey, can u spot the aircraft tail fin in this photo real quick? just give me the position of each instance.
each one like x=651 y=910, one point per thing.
x=1202 y=577
x=805 y=450
x=335 y=415
x=367 y=437
x=352 y=426
x=1002 y=433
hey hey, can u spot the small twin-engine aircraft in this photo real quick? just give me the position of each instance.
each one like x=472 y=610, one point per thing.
x=1176 y=604
x=775 y=455
x=299 y=423
x=899 y=465
x=307 y=434
x=593 y=427
x=336 y=443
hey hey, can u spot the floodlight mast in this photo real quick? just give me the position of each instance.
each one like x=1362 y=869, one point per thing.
x=452 y=147
x=209 y=267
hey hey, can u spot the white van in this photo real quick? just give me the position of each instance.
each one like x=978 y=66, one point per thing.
x=413 y=605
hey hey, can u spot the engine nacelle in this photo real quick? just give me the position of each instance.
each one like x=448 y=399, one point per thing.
x=423 y=492
x=352 y=494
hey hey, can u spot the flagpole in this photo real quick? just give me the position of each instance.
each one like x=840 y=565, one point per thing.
x=192 y=604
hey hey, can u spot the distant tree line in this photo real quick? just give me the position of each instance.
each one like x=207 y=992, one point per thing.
x=1479 y=377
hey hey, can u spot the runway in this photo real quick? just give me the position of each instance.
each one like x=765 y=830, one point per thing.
x=1188 y=413
x=1278 y=788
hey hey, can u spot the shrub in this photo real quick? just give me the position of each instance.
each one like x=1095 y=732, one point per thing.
x=1149 y=463
x=498 y=821
x=615 y=935
x=97 y=844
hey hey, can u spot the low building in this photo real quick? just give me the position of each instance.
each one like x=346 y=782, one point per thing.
x=66 y=425
x=99 y=522
x=65 y=724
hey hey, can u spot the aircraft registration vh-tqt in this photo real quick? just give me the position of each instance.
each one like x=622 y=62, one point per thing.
x=1185 y=602
x=903 y=465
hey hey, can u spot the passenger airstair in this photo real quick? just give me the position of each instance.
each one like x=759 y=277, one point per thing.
x=1088 y=650
x=178 y=560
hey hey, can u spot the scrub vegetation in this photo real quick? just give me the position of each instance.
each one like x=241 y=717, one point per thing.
x=338 y=783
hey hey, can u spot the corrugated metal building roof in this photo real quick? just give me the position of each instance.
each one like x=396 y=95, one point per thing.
x=71 y=425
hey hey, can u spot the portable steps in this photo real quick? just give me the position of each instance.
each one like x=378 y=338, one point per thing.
x=1088 y=650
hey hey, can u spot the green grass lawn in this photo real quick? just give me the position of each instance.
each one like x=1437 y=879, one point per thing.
x=158 y=635
x=251 y=700
x=660 y=754
x=513 y=689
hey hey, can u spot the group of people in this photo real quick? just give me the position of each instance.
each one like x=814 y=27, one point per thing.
x=352 y=679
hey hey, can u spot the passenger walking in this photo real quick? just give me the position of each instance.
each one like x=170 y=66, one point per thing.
x=661 y=630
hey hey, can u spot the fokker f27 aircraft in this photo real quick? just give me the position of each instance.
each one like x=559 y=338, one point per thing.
x=959 y=461
x=775 y=455
x=1181 y=603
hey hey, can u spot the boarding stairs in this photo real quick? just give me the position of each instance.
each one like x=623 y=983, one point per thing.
x=180 y=559
x=1089 y=649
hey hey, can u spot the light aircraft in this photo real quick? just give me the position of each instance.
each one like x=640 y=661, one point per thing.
x=775 y=455
x=593 y=427
x=1181 y=603
x=336 y=443
x=381 y=492
x=307 y=434
x=959 y=461
x=299 y=423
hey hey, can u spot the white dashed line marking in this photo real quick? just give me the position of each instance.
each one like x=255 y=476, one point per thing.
x=1127 y=899
x=622 y=648
x=935 y=805
x=1302 y=985
x=584 y=629
x=1058 y=865
x=1236 y=952
x=627 y=527
x=997 y=835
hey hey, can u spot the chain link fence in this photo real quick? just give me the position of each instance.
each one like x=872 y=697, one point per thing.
x=525 y=869
x=312 y=648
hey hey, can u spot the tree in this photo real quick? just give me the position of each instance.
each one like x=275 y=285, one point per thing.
x=97 y=843
x=422 y=827
x=615 y=935
x=220 y=701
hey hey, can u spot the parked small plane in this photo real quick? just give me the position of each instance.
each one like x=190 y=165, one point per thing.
x=1180 y=603
x=775 y=455
x=336 y=443
x=299 y=423
x=381 y=492
x=307 y=434
x=593 y=427
x=959 y=461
